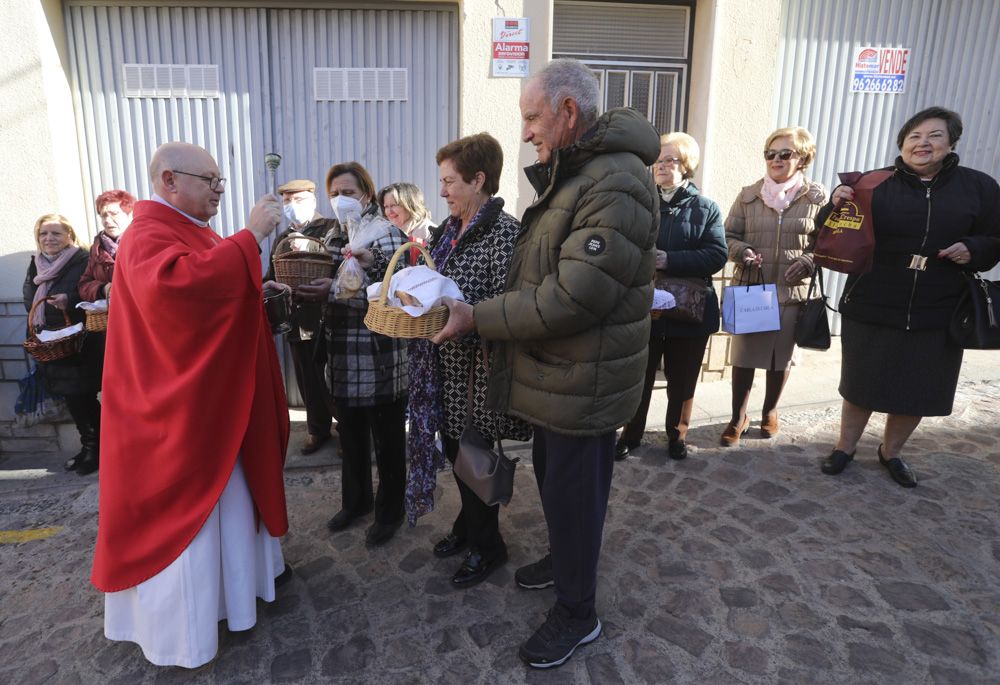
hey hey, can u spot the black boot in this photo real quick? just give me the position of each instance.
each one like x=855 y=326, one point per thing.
x=73 y=462
x=86 y=413
x=89 y=458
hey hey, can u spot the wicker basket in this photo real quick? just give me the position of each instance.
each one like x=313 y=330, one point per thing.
x=302 y=268
x=57 y=349
x=96 y=322
x=393 y=321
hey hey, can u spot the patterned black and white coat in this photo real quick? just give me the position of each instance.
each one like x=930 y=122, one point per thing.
x=478 y=264
x=364 y=368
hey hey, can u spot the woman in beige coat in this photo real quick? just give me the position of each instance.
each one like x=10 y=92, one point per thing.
x=770 y=232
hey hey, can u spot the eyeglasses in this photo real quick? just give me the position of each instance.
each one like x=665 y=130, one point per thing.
x=215 y=183
x=667 y=160
x=783 y=155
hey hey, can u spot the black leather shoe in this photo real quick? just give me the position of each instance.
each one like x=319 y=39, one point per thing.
x=449 y=545
x=898 y=469
x=476 y=568
x=87 y=466
x=380 y=533
x=342 y=519
x=836 y=462
x=622 y=448
x=677 y=449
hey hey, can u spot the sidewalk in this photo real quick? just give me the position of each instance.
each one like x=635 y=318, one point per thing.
x=741 y=566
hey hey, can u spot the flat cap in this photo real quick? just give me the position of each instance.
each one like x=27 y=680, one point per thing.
x=297 y=186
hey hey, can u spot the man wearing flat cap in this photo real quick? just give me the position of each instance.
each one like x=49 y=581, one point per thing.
x=305 y=340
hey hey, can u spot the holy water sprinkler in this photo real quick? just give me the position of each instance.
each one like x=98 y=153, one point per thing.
x=272 y=160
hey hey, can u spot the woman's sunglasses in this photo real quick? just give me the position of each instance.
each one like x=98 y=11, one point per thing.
x=783 y=155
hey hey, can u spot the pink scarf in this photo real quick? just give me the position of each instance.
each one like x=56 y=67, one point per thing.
x=778 y=196
x=109 y=244
x=48 y=270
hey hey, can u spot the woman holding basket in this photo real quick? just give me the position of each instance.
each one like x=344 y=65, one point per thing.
x=770 y=231
x=51 y=293
x=368 y=379
x=473 y=247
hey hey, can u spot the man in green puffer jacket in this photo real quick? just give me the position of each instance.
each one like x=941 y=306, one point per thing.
x=570 y=333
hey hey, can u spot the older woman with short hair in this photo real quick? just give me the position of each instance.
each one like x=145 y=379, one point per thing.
x=53 y=278
x=771 y=233
x=114 y=207
x=473 y=247
x=691 y=243
x=898 y=357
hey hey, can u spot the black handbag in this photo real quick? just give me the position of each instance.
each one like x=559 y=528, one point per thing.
x=489 y=474
x=812 y=328
x=976 y=322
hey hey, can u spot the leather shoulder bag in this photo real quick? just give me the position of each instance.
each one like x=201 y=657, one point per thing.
x=488 y=473
x=812 y=328
x=976 y=322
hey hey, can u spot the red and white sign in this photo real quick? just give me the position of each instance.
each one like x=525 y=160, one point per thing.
x=879 y=70
x=510 y=46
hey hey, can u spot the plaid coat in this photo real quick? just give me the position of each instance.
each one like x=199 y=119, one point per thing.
x=365 y=369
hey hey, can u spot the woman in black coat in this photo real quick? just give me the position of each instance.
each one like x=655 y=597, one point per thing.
x=691 y=242
x=54 y=276
x=934 y=222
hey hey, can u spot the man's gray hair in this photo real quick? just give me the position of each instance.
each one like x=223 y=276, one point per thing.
x=570 y=78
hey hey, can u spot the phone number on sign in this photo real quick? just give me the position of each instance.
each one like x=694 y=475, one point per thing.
x=875 y=84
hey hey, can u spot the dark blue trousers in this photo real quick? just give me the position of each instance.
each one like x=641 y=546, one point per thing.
x=574 y=480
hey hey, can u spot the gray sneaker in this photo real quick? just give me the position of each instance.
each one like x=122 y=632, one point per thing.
x=556 y=640
x=536 y=576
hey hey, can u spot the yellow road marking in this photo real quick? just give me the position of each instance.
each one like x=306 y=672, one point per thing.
x=13 y=537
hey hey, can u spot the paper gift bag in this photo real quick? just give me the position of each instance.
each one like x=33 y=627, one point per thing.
x=846 y=240
x=750 y=308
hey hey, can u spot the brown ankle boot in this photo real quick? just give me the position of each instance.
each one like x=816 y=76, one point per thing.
x=731 y=435
x=769 y=426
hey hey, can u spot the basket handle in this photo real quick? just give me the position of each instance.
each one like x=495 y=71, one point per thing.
x=383 y=295
x=31 y=315
x=298 y=237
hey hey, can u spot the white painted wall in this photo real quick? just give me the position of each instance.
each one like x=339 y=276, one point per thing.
x=734 y=62
x=39 y=164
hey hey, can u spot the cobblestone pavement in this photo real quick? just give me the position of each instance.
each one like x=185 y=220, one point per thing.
x=735 y=566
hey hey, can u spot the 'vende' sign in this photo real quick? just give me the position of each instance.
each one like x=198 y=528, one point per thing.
x=879 y=70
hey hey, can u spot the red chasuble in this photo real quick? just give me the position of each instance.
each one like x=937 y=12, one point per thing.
x=191 y=380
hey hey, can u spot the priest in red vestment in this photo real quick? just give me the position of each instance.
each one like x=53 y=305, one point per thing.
x=192 y=495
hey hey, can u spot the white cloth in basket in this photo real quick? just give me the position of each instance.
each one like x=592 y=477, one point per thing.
x=421 y=282
x=49 y=336
x=95 y=306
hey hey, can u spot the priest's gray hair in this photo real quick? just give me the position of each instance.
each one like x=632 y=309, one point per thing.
x=570 y=78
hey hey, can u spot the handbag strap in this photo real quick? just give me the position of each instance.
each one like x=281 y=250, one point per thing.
x=470 y=401
x=818 y=278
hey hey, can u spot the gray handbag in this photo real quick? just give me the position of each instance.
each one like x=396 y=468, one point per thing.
x=488 y=473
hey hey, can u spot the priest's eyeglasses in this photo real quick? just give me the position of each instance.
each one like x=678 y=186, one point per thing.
x=214 y=182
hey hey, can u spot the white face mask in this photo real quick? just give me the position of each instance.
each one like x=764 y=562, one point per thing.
x=300 y=212
x=346 y=208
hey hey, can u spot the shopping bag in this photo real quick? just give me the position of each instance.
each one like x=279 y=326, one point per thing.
x=845 y=241
x=750 y=308
x=34 y=404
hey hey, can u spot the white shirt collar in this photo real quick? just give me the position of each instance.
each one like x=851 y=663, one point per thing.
x=157 y=198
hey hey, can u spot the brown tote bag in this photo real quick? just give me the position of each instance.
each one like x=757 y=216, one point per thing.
x=846 y=240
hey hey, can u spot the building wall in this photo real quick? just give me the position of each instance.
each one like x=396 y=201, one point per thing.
x=39 y=173
x=38 y=151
